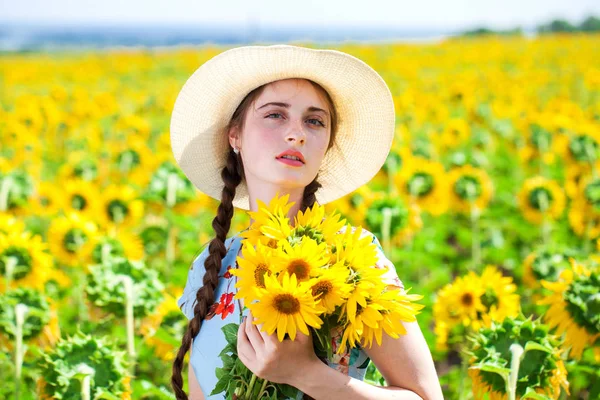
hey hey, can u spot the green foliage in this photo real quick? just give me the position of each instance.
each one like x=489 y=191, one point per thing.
x=37 y=317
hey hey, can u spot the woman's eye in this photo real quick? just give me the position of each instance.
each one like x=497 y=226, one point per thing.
x=319 y=122
x=273 y=114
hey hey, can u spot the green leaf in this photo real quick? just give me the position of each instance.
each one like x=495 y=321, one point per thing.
x=287 y=390
x=229 y=348
x=531 y=394
x=536 y=346
x=221 y=385
x=503 y=372
x=231 y=331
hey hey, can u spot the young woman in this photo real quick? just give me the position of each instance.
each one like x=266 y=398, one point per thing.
x=315 y=124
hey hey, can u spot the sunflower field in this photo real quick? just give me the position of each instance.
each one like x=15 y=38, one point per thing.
x=488 y=205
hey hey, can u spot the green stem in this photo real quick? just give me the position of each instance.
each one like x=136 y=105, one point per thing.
x=464 y=366
x=262 y=388
x=9 y=269
x=515 y=361
x=128 y=283
x=21 y=311
x=85 y=373
x=250 y=386
x=475 y=238
x=4 y=192
x=543 y=200
x=391 y=171
x=82 y=314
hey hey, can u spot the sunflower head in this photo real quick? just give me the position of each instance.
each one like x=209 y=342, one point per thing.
x=541 y=367
x=60 y=365
x=36 y=318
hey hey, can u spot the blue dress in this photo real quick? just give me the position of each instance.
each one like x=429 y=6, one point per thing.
x=210 y=340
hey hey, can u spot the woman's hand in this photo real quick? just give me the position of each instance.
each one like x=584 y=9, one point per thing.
x=270 y=359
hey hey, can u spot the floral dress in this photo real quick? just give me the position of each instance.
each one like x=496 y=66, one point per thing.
x=210 y=340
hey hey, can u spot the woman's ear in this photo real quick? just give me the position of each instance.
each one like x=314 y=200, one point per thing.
x=233 y=137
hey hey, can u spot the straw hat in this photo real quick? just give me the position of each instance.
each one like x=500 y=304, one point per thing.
x=205 y=104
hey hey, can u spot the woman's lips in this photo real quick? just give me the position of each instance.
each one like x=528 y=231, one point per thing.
x=294 y=163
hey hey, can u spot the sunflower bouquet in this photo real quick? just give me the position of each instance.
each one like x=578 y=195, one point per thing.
x=317 y=276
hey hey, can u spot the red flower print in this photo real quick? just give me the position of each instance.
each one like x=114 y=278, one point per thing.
x=226 y=305
x=227 y=274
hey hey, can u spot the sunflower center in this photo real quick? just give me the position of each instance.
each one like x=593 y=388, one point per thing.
x=468 y=188
x=78 y=202
x=489 y=298
x=540 y=137
x=300 y=268
x=74 y=239
x=548 y=265
x=45 y=201
x=540 y=198
x=20 y=262
x=592 y=193
x=299 y=232
x=259 y=274
x=322 y=288
x=467 y=299
x=286 y=303
x=117 y=210
x=399 y=215
x=272 y=243
x=584 y=148
x=127 y=160
x=86 y=170
x=420 y=184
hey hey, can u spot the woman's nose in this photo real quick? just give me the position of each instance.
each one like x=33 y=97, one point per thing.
x=296 y=133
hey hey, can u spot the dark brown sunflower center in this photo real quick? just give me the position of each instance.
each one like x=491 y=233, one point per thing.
x=322 y=288
x=259 y=274
x=286 y=304
x=300 y=268
x=272 y=243
x=467 y=299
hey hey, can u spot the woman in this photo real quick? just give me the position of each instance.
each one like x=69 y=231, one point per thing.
x=315 y=124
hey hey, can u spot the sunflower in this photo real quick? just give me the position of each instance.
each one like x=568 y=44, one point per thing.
x=584 y=219
x=46 y=200
x=500 y=298
x=58 y=368
x=315 y=225
x=167 y=320
x=72 y=238
x=455 y=132
x=80 y=165
x=9 y=223
x=539 y=144
x=131 y=162
x=253 y=264
x=543 y=371
x=286 y=306
x=17 y=188
x=405 y=219
x=544 y=264
x=396 y=159
x=423 y=182
x=25 y=258
x=469 y=187
x=540 y=196
x=583 y=148
x=302 y=260
x=459 y=305
x=331 y=287
x=573 y=304
x=394 y=306
x=81 y=196
x=121 y=243
x=120 y=207
x=270 y=223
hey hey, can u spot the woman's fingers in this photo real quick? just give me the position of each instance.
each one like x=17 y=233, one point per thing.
x=244 y=347
x=253 y=334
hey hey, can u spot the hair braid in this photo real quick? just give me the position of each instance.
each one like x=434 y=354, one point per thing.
x=309 y=198
x=232 y=175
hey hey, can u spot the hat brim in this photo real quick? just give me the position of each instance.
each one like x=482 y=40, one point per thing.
x=208 y=99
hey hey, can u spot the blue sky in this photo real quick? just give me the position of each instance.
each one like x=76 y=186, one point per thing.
x=398 y=13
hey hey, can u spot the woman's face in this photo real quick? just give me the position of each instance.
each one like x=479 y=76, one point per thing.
x=289 y=115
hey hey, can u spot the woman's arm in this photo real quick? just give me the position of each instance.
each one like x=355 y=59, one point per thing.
x=405 y=363
x=195 y=390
